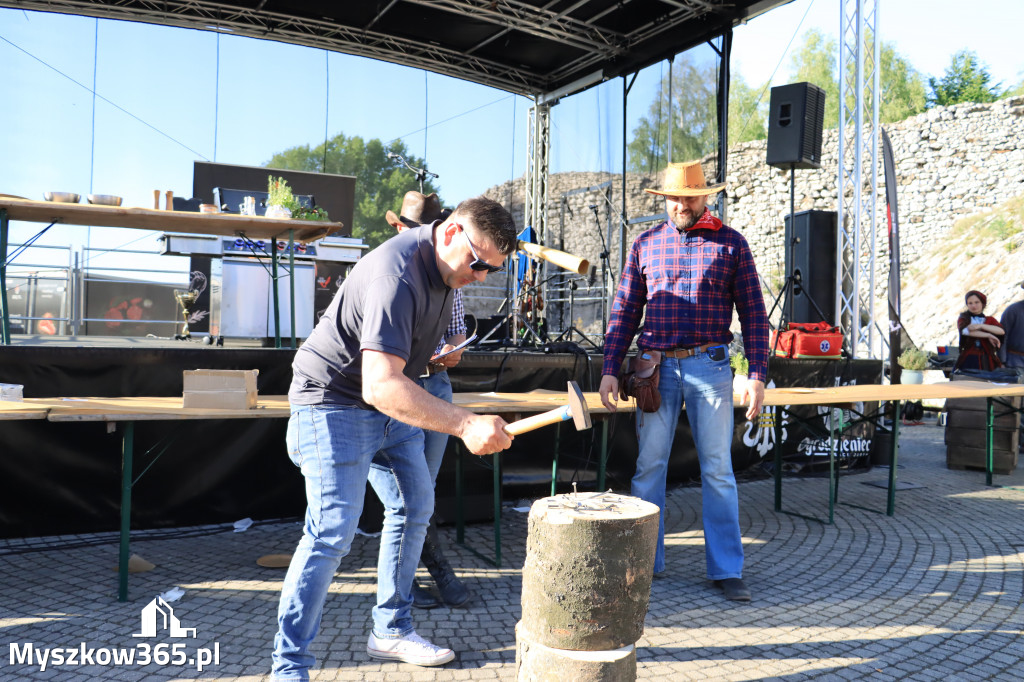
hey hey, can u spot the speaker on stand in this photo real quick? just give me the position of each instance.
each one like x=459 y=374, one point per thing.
x=795 y=120
x=812 y=263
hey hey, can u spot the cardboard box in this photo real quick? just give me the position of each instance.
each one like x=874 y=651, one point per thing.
x=233 y=389
x=11 y=392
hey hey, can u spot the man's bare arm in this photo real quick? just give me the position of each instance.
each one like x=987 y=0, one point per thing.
x=386 y=388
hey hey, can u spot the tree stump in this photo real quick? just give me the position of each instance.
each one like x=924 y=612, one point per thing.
x=539 y=663
x=587 y=577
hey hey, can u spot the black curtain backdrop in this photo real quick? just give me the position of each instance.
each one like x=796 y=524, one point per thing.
x=58 y=478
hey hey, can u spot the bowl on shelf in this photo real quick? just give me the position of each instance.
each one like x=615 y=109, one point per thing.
x=104 y=199
x=62 y=197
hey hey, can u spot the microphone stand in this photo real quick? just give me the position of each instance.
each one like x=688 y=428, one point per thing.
x=421 y=173
x=604 y=272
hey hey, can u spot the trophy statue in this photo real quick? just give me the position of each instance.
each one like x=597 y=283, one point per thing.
x=186 y=299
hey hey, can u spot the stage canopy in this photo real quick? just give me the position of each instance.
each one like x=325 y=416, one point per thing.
x=528 y=47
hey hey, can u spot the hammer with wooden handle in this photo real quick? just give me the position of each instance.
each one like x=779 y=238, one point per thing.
x=575 y=409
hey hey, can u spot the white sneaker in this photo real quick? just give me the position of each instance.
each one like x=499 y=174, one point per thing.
x=409 y=649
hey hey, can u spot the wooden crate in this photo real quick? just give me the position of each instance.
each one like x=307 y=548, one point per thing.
x=960 y=457
x=1002 y=440
x=971 y=419
x=965 y=434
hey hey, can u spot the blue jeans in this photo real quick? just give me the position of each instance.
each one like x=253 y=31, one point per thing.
x=333 y=445
x=706 y=388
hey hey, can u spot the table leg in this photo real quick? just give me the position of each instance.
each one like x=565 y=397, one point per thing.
x=126 y=509
x=5 y=316
x=496 y=459
x=897 y=414
x=777 y=427
x=273 y=285
x=460 y=512
x=989 y=424
x=291 y=282
x=554 y=459
x=603 y=462
x=832 y=461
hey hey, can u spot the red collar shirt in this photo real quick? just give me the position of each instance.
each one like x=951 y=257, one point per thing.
x=688 y=282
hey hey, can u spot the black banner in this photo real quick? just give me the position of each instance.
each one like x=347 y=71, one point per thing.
x=805 y=428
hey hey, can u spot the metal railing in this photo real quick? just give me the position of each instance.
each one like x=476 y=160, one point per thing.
x=69 y=282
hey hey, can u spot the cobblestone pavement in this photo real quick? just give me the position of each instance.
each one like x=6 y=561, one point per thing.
x=932 y=593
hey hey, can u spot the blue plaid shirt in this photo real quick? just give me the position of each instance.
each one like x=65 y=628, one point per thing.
x=458 y=323
x=688 y=283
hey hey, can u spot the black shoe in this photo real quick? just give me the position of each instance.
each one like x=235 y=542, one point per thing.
x=423 y=598
x=734 y=589
x=453 y=591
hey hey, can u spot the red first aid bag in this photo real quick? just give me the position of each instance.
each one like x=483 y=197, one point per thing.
x=813 y=340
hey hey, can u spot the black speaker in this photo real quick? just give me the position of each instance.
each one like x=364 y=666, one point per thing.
x=811 y=260
x=796 y=115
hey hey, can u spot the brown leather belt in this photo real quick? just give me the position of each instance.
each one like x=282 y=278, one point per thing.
x=687 y=352
x=433 y=369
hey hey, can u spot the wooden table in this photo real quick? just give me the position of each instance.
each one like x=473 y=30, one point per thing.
x=510 y=405
x=220 y=224
x=127 y=411
x=896 y=394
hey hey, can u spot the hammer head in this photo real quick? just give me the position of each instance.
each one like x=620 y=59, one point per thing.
x=578 y=407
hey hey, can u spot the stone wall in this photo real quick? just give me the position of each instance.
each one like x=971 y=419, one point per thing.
x=950 y=162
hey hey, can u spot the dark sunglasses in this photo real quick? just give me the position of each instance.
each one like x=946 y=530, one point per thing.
x=479 y=264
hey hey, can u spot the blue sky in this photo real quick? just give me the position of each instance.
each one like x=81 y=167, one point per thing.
x=161 y=106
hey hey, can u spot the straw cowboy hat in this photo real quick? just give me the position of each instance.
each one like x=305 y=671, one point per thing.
x=685 y=180
x=417 y=209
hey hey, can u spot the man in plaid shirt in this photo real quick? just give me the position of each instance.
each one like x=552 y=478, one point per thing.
x=419 y=209
x=689 y=272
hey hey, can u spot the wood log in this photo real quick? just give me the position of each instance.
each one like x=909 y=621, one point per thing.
x=588 y=570
x=538 y=663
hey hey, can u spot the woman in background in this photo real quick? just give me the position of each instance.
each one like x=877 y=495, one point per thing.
x=980 y=335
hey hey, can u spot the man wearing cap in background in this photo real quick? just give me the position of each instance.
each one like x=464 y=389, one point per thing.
x=354 y=400
x=419 y=209
x=690 y=272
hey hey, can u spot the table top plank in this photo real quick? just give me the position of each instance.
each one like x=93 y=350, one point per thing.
x=14 y=409
x=276 y=406
x=188 y=222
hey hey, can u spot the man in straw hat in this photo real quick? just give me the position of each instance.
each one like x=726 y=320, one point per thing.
x=354 y=400
x=690 y=272
x=419 y=209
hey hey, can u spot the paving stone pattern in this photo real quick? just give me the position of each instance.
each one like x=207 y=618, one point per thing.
x=933 y=593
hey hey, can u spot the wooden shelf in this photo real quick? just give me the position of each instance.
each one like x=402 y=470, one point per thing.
x=221 y=224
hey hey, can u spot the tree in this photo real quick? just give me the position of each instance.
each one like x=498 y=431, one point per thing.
x=815 y=63
x=965 y=80
x=381 y=182
x=692 y=117
x=902 y=87
x=748 y=111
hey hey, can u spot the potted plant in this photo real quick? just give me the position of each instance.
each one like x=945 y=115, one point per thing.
x=913 y=361
x=281 y=202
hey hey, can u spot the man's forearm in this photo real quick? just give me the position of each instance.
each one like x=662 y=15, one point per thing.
x=400 y=398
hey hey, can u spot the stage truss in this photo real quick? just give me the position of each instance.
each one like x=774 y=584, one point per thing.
x=857 y=179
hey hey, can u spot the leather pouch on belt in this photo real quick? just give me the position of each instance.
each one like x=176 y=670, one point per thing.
x=640 y=380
